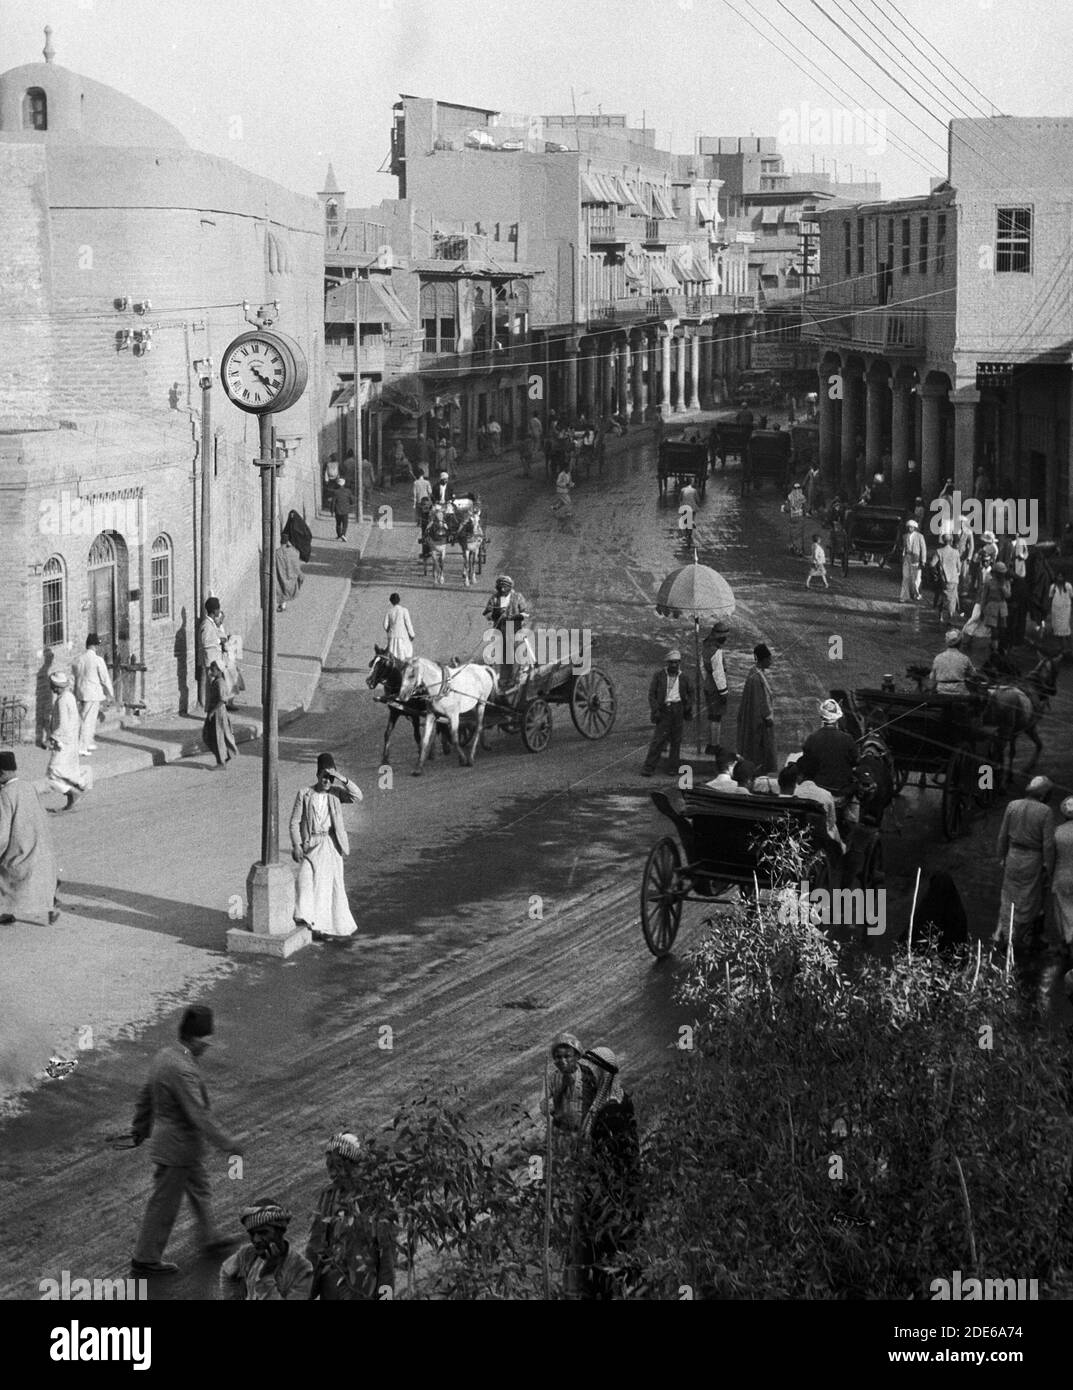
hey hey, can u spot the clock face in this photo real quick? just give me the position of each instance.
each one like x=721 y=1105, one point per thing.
x=255 y=374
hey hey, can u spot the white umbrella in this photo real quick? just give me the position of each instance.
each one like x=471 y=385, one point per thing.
x=698 y=594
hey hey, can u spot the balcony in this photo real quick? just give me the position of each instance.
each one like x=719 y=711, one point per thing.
x=659 y=231
x=625 y=309
x=514 y=354
x=892 y=331
x=613 y=228
x=634 y=308
x=355 y=238
x=340 y=356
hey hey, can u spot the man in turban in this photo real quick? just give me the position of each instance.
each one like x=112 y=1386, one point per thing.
x=351 y=1244
x=832 y=755
x=63 y=772
x=1026 y=849
x=914 y=557
x=268 y=1269
x=174 y=1108
x=27 y=855
x=951 y=670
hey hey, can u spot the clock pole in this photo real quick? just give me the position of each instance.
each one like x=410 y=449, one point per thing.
x=269 y=706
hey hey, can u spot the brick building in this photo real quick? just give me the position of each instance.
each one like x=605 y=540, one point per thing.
x=944 y=324
x=639 y=301
x=127 y=257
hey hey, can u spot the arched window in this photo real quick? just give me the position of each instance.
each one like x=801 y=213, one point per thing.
x=35 y=109
x=160 y=578
x=332 y=209
x=439 y=301
x=54 y=603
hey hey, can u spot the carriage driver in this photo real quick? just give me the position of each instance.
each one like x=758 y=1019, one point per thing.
x=951 y=670
x=507 y=611
x=832 y=753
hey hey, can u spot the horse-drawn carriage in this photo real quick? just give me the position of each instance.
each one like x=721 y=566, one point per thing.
x=767 y=457
x=465 y=701
x=464 y=525
x=730 y=439
x=870 y=533
x=949 y=739
x=684 y=459
x=719 y=855
x=805 y=447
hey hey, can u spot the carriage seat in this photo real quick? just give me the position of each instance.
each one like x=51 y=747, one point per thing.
x=718 y=829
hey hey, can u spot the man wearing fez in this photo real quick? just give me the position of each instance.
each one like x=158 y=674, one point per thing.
x=267 y=1270
x=174 y=1108
x=28 y=875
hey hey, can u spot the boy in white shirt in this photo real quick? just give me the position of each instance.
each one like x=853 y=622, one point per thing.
x=819 y=564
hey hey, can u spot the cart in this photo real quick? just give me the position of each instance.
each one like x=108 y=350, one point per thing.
x=730 y=439
x=941 y=737
x=767 y=457
x=717 y=853
x=873 y=532
x=684 y=460
x=525 y=707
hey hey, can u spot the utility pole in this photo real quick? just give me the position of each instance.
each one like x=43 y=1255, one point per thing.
x=357 y=395
x=204 y=369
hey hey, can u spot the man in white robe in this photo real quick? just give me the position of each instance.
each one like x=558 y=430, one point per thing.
x=28 y=875
x=319 y=844
x=63 y=771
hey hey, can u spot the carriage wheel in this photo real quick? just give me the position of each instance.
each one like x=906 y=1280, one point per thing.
x=592 y=705
x=872 y=874
x=661 y=897
x=536 y=725
x=957 y=793
x=486 y=737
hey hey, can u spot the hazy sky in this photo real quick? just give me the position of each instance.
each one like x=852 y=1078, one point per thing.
x=315 y=81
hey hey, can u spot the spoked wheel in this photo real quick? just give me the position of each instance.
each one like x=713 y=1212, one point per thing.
x=536 y=725
x=872 y=874
x=661 y=897
x=592 y=704
x=957 y=793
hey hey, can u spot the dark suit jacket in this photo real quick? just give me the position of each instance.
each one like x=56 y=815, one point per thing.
x=174 y=1108
x=442 y=492
x=657 y=694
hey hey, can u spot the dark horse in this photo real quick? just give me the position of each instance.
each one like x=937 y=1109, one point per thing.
x=1014 y=707
x=386 y=670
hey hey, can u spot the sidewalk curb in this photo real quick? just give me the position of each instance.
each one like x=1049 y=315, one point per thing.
x=247 y=729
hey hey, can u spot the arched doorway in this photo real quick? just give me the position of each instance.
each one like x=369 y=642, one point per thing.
x=109 y=599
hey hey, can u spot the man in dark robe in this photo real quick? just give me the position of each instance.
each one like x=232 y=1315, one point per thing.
x=27 y=855
x=756 y=715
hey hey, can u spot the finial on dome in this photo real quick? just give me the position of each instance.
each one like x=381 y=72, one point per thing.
x=48 y=51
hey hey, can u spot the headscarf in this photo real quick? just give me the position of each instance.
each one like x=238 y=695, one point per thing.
x=345 y=1145
x=266 y=1211
x=830 y=711
x=59 y=680
x=1039 y=787
x=566 y=1040
x=1067 y=808
x=602 y=1065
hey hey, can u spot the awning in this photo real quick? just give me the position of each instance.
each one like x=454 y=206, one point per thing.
x=702 y=267
x=663 y=205
x=619 y=185
x=662 y=279
x=769 y=217
x=637 y=198
x=378 y=302
x=590 y=193
x=343 y=395
x=708 y=211
x=791 y=214
x=636 y=264
x=604 y=187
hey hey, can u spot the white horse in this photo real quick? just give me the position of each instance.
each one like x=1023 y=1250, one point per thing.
x=452 y=691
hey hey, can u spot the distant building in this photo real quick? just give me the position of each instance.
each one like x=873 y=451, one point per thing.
x=129 y=256
x=635 y=300
x=942 y=326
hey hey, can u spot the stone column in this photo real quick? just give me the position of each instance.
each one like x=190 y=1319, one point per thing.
x=706 y=396
x=719 y=368
x=588 y=379
x=965 y=421
x=570 y=353
x=829 y=434
x=901 y=439
x=852 y=394
x=694 y=380
x=665 y=373
x=680 y=383
x=931 y=442
x=624 y=378
x=638 y=378
x=876 y=393
x=607 y=378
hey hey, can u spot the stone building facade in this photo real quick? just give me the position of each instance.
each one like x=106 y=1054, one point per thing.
x=127 y=258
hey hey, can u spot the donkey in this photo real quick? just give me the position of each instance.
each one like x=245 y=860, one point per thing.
x=1015 y=708
x=452 y=691
x=468 y=538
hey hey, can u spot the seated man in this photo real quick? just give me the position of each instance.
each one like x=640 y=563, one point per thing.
x=726 y=765
x=951 y=669
x=833 y=754
x=810 y=790
x=268 y=1269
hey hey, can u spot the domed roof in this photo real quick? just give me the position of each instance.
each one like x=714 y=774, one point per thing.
x=81 y=110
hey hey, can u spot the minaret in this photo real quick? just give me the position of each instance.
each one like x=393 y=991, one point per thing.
x=333 y=200
x=48 y=52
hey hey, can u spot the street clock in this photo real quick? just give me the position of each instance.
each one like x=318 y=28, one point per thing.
x=264 y=372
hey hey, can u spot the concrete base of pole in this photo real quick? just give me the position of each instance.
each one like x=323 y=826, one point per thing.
x=270 y=894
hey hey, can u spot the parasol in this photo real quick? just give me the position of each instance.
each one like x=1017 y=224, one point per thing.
x=698 y=594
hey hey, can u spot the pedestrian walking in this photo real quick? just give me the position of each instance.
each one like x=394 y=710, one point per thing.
x=714 y=682
x=319 y=845
x=28 y=876
x=670 y=705
x=422 y=494
x=1062 y=878
x=794 y=508
x=210 y=636
x=1059 y=604
x=914 y=555
x=948 y=571
x=269 y=1269
x=93 y=686
x=330 y=477
x=399 y=462
x=217 y=732
x=352 y=1240
x=288 y=573
x=495 y=435
x=533 y=444
x=399 y=629
x=1027 y=853
x=63 y=772
x=342 y=502
x=811 y=479
x=819 y=563
x=756 y=714
x=994 y=603
x=563 y=505
x=609 y=1209
x=173 y=1108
